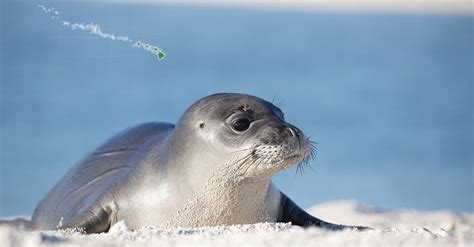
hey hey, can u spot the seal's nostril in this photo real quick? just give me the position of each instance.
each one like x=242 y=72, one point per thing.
x=292 y=132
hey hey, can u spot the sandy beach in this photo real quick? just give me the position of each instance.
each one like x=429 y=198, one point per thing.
x=391 y=228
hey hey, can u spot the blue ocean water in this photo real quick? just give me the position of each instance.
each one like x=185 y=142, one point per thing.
x=388 y=98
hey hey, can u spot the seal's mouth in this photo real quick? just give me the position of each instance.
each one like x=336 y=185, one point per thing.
x=273 y=158
x=294 y=157
x=302 y=156
x=303 y=160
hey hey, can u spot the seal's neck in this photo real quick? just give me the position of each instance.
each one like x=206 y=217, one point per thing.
x=221 y=202
x=191 y=159
x=216 y=191
x=242 y=202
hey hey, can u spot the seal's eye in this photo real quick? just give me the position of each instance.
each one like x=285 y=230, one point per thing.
x=241 y=124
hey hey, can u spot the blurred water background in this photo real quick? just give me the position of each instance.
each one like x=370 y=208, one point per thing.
x=387 y=97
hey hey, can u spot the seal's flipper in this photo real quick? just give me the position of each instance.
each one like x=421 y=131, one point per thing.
x=93 y=220
x=290 y=212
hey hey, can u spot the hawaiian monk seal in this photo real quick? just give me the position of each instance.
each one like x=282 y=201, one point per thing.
x=213 y=168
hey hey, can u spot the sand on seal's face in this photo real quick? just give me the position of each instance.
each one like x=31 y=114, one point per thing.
x=404 y=228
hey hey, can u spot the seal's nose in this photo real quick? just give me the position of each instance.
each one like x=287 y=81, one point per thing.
x=288 y=131
x=292 y=132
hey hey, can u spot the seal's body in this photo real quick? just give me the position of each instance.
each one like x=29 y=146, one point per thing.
x=213 y=168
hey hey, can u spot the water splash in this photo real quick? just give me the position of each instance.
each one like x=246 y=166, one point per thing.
x=95 y=29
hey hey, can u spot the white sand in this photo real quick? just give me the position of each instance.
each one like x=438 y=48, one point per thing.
x=403 y=228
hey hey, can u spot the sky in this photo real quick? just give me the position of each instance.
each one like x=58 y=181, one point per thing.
x=464 y=7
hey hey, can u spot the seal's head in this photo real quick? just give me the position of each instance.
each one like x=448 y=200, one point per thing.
x=248 y=133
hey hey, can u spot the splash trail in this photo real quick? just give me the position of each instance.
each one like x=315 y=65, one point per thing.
x=95 y=29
